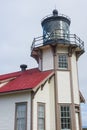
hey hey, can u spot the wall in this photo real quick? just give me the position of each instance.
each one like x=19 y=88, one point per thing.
x=62 y=49
x=45 y=96
x=64 y=90
x=7 y=109
x=63 y=81
x=77 y=121
x=75 y=79
x=47 y=59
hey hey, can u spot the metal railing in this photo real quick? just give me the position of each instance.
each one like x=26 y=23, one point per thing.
x=60 y=15
x=72 y=39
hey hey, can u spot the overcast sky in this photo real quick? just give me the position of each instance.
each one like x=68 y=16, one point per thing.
x=20 y=22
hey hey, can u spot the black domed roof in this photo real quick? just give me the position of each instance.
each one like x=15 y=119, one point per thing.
x=55 y=12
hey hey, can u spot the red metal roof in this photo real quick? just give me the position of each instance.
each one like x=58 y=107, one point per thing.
x=28 y=79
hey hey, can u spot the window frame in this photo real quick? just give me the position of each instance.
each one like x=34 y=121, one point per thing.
x=42 y=104
x=16 y=105
x=67 y=61
x=66 y=105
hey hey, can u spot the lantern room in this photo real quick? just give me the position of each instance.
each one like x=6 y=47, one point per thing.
x=55 y=27
x=56 y=32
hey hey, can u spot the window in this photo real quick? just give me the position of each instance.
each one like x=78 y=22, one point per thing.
x=21 y=116
x=65 y=118
x=63 y=61
x=41 y=116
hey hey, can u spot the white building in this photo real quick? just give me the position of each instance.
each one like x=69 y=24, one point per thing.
x=47 y=97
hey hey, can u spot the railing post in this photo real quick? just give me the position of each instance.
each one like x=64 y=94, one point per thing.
x=33 y=44
x=75 y=37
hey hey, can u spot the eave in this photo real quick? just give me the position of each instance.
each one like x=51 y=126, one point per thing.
x=82 y=99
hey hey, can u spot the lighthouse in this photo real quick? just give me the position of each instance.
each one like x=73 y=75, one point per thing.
x=59 y=50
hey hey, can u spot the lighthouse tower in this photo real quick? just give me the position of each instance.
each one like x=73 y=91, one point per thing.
x=58 y=50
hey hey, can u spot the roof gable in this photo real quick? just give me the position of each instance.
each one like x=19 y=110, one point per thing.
x=28 y=79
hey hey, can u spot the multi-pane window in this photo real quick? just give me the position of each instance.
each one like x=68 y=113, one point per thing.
x=63 y=61
x=21 y=116
x=41 y=116
x=65 y=118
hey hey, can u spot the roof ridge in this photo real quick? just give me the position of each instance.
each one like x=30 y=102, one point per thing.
x=14 y=74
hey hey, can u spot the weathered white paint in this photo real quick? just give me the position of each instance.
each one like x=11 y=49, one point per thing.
x=64 y=91
x=62 y=50
x=52 y=105
x=2 y=84
x=45 y=96
x=7 y=110
x=77 y=121
x=75 y=79
x=40 y=64
x=47 y=59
